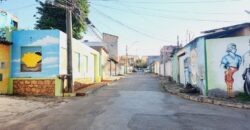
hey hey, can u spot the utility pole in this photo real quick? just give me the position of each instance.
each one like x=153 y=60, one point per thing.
x=69 y=49
x=164 y=61
x=126 y=59
x=178 y=43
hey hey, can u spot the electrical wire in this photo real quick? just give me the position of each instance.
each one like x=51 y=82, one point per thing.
x=170 y=17
x=168 y=2
x=128 y=27
x=174 y=11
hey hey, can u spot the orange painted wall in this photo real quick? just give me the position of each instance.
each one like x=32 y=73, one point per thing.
x=4 y=57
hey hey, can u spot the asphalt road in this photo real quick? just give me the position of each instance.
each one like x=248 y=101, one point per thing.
x=136 y=102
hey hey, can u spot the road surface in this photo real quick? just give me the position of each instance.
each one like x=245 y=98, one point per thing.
x=136 y=102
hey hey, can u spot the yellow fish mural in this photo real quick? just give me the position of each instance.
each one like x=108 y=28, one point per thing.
x=31 y=59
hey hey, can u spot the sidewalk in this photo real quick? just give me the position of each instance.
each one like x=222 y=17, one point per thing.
x=91 y=88
x=174 y=89
x=15 y=107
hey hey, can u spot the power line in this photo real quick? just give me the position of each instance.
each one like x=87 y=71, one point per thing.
x=174 y=11
x=171 y=11
x=22 y=7
x=170 y=2
x=170 y=17
x=129 y=27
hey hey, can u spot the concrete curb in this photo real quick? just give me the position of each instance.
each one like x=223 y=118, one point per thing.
x=203 y=99
x=93 y=90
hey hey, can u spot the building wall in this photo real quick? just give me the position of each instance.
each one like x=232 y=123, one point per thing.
x=175 y=65
x=45 y=87
x=191 y=65
x=216 y=70
x=7 y=22
x=45 y=42
x=85 y=61
x=112 y=45
x=5 y=56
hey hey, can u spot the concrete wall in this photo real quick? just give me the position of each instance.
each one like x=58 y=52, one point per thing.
x=188 y=66
x=216 y=69
x=168 y=69
x=5 y=57
x=104 y=65
x=112 y=45
x=47 y=41
x=42 y=54
x=85 y=61
x=45 y=87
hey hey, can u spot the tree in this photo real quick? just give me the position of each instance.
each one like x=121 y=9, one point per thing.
x=52 y=17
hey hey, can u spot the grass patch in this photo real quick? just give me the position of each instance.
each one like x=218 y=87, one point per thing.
x=242 y=97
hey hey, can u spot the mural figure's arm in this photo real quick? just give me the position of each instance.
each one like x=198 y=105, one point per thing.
x=239 y=61
x=224 y=62
x=244 y=75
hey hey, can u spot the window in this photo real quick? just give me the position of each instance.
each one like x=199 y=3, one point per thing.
x=31 y=59
x=3 y=65
x=78 y=62
x=85 y=64
x=1 y=77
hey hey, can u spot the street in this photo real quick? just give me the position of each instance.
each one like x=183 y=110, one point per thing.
x=136 y=102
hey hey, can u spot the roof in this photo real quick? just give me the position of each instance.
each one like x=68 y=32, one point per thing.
x=111 y=59
x=5 y=43
x=238 y=26
x=220 y=32
x=97 y=48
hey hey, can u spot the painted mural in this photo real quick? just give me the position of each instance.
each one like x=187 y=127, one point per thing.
x=228 y=74
x=35 y=51
x=231 y=63
x=31 y=58
x=192 y=65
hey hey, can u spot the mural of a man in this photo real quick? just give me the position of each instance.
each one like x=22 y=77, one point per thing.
x=246 y=77
x=231 y=63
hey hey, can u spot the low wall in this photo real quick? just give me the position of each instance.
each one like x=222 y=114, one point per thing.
x=44 y=87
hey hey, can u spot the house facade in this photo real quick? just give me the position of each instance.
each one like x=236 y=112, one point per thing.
x=7 y=23
x=215 y=62
x=165 y=60
x=40 y=56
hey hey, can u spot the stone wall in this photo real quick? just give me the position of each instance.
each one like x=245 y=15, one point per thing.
x=43 y=87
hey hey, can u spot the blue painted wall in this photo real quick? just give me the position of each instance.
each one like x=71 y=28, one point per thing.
x=48 y=40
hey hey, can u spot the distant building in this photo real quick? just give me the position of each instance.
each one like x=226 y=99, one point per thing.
x=109 y=46
x=152 y=59
x=112 y=45
x=165 y=61
x=7 y=23
x=166 y=53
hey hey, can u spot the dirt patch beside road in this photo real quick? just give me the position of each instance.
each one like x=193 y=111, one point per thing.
x=14 y=108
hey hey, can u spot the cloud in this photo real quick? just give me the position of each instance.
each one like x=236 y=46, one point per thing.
x=52 y=53
x=46 y=41
x=16 y=60
x=50 y=60
x=51 y=66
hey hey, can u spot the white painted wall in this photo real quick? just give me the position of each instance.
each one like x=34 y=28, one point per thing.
x=84 y=51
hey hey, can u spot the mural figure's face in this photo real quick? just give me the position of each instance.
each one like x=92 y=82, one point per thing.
x=234 y=50
x=231 y=48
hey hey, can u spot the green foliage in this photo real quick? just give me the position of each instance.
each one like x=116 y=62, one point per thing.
x=140 y=64
x=52 y=17
x=242 y=97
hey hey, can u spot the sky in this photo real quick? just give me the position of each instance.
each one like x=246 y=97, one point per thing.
x=147 y=25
